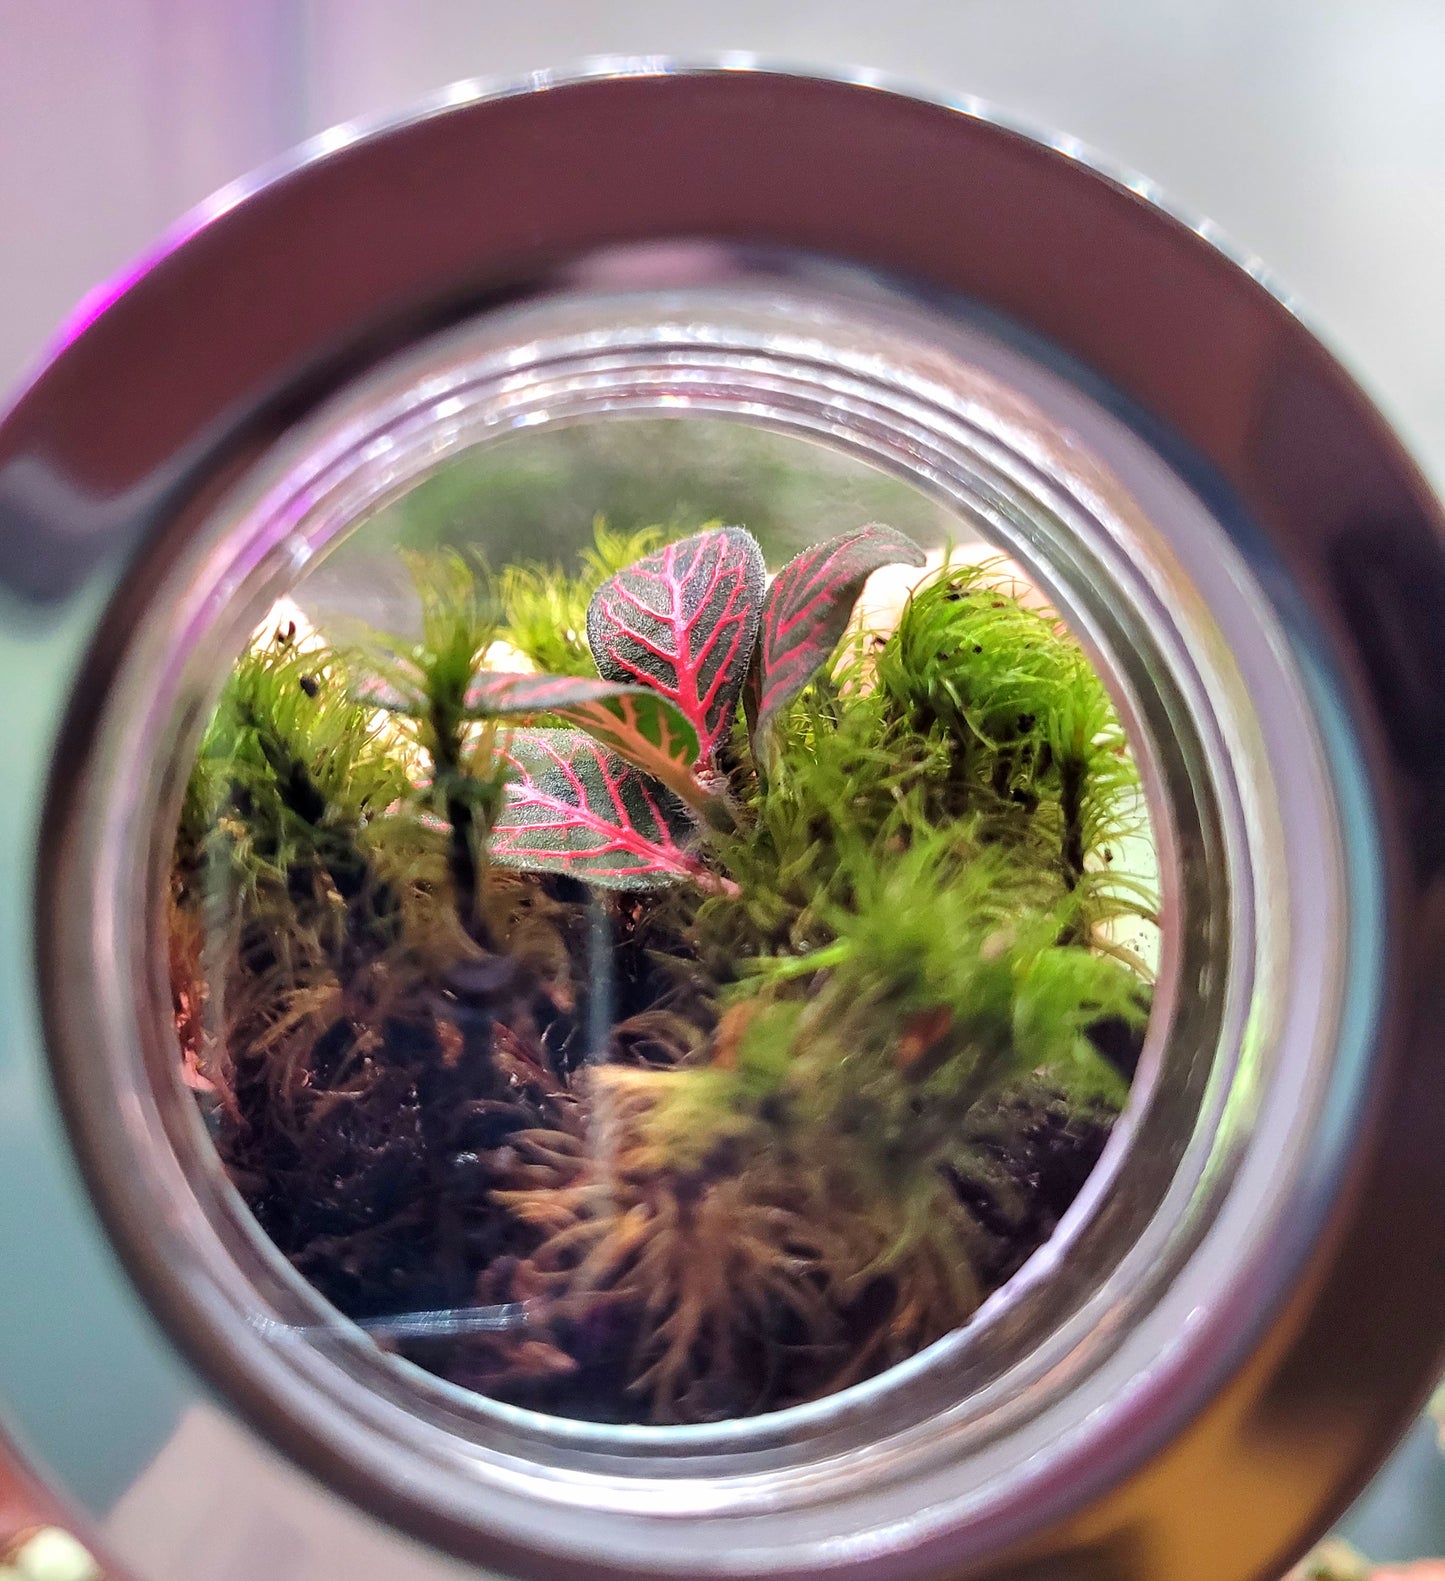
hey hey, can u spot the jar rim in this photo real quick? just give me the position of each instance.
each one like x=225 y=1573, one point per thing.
x=1141 y=313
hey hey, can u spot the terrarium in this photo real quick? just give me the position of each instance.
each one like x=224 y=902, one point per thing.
x=677 y=974
x=731 y=880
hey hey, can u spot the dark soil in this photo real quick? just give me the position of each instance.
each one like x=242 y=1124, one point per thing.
x=375 y=1174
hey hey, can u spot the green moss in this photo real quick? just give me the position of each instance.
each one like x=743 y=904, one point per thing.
x=424 y=684
x=788 y=1135
x=290 y=777
x=1037 y=749
x=546 y=608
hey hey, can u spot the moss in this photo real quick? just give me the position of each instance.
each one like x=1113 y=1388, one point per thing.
x=727 y=1151
x=546 y=608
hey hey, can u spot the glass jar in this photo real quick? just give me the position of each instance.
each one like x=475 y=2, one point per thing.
x=702 y=282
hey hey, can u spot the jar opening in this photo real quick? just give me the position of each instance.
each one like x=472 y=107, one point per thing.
x=670 y=976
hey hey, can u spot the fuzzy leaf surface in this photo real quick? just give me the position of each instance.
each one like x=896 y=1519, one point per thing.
x=684 y=622
x=379 y=692
x=574 y=807
x=496 y=694
x=634 y=721
x=807 y=611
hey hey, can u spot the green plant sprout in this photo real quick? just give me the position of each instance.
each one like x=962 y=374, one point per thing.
x=650 y=993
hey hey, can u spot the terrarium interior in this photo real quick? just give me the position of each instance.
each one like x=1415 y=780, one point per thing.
x=662 y=921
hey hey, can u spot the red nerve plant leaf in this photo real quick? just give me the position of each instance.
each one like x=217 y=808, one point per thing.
x=573 y=807
x=635 y=722
x=381 y=693
x=496 y=693
x=683 y=622
x=807 y=611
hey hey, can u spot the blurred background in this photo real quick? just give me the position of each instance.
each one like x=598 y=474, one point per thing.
x=1311 y=131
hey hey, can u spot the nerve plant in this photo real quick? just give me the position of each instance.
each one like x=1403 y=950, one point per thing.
x=729 y=1013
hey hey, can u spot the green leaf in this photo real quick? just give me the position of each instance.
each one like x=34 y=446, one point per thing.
x=375 y=692
x=683 y=622
x=807 y=611
x=573 y=807
x=634 y=721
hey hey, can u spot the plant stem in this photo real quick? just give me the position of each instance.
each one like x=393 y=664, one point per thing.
x=462 y=862
x=463 y=859
x=1071 y=802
